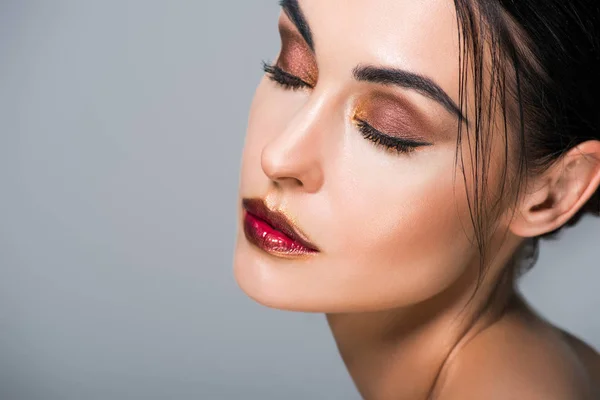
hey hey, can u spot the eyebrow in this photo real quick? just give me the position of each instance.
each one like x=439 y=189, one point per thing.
x=295 y=14
x=409 y=80
x=382 y=75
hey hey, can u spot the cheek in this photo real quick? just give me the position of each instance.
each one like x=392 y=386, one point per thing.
x=403 y=226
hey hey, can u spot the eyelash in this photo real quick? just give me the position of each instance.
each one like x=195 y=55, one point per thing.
x=283 y=78
x=389 y=143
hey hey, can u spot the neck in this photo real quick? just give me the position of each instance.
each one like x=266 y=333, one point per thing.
x=399 y=353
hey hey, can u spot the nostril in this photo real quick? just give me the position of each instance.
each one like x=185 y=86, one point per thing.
x=287 y=180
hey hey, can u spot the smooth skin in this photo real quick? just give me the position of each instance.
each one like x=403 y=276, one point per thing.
x=398 y=260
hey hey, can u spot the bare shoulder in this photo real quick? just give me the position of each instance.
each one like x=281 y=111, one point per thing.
x=522 y=357
x=589 y=357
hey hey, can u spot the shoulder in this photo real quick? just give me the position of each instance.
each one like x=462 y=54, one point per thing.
x=589 y=357
x=521 y=358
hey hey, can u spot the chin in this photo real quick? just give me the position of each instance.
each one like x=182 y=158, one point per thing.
x=259 y=274
x=276 y=281
x=283 y=284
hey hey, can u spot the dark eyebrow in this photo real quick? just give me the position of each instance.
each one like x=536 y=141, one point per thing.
x=382 y=75
x=409 y=80
x=295 y=14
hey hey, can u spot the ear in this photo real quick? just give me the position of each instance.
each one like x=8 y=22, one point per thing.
x=552 y=198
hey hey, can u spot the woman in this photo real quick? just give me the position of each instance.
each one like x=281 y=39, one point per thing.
x=402 y=160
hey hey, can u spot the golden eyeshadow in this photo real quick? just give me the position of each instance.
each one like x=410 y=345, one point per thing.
x=390 y=115
x=296 y=58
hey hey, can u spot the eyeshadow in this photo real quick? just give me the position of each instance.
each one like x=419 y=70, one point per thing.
x=391 y=115
x=295 y=56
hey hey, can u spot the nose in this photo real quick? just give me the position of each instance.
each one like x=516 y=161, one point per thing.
x=293 y=157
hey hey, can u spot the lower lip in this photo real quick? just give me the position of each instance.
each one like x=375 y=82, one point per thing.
x=275 y=242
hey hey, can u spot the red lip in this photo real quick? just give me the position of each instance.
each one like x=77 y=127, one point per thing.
x=272 y=231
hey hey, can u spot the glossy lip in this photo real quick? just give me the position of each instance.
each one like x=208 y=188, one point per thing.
x=277 y=220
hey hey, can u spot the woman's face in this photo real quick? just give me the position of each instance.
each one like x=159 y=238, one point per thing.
x=392 y=227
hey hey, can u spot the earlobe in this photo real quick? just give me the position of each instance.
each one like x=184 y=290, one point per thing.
x=555 y=196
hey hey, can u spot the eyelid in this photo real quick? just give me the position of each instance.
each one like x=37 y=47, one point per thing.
x=389 y=112
x=290 y=75
x=284 y=78
x=399 y=139
x=388 y=143
x=296 y=58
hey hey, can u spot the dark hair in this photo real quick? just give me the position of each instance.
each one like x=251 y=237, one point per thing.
x=538 y=62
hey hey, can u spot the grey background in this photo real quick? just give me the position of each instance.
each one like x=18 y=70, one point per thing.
x=121 y=129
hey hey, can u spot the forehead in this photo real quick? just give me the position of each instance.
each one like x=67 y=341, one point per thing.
x=417 y=35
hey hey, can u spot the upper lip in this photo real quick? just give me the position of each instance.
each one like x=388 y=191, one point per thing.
x=277 y=220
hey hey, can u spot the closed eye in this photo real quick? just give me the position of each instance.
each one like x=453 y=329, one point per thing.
x=283 y=78
x=393 y=143
x=387 y=142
